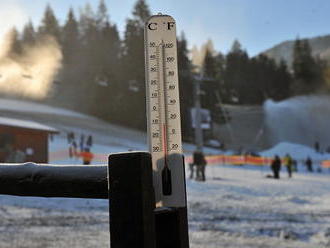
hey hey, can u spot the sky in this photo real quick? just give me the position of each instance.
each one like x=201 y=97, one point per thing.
x=257 y=24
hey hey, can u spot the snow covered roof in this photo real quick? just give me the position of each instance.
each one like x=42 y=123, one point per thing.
x=25 y=124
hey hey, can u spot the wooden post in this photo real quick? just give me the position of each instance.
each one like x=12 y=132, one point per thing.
x=172 y=227
x=132 y=203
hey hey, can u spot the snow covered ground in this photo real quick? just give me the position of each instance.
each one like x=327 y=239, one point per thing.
x=242 y=208
x=237 y=207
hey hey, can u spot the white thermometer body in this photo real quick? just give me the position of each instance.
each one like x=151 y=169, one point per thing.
x=163 y=111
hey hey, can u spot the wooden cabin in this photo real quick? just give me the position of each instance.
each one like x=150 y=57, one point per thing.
x=28 y=137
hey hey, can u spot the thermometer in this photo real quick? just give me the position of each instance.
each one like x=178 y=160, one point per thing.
x=163 y=111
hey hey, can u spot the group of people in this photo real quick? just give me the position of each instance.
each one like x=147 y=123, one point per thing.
x=198 y=165
x=84 y=150
x=290 y=164
x=318 y=149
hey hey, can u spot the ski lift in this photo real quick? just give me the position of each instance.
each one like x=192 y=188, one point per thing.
x=103 y=83
x=133 y=86
x=27 y=76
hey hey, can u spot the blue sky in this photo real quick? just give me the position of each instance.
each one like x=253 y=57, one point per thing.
x=257 y=24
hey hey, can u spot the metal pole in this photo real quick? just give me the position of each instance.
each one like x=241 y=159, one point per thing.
x=198 y=117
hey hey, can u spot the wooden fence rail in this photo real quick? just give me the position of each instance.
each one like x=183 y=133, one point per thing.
x=46 y=180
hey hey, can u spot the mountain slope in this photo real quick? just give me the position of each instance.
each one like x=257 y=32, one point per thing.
x=320 y=47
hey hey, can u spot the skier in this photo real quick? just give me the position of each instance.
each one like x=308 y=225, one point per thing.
x=89 y=141
x=195 y=163
x=202 y=167
x=288 y=162
x=317 y=146
x=70 y=137
x=191 y=169
x=276 y=167
x=309 y=164
x=86 y=156
x=200 y=163
x=73 y=149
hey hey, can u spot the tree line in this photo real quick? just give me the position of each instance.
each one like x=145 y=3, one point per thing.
x=103 y=74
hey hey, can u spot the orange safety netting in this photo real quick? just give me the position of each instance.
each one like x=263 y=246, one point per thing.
x=325 y=164
x=247 y=159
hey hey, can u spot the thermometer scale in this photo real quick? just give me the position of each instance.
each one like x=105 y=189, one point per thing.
x=163 y=111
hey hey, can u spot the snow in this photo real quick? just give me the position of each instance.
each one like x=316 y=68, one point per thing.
x=25 y=124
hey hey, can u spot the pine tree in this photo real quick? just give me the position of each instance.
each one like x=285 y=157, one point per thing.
x=213 y=70
x=49 y=24
x=102 y=36
x=307 y=70
x=109 y=85
x=107 y=56
x=88 y=65
x=210 y=66
x=87 y=20
x=29 y=34
x=282 y=82
x=70 y=38
x=269 y=79
x=236 y=47
x=133 y=65
x=141 y=12
x=69 y=88
x=220 y=71
x=186 y=87
x=235 y=74
x=16 y=45
x=102 y=17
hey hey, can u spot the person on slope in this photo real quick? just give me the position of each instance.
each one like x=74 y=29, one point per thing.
x=309 y=164
x=87 y=156
x=200 y=162
x=276 y=167
x=288 y=162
